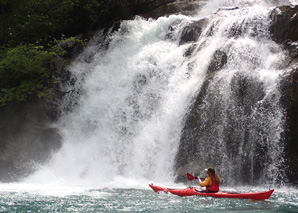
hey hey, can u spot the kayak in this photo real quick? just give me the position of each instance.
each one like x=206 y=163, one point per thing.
x=191 y=191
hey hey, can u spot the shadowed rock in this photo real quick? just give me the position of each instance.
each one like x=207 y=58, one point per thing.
x=192 y=32
x=284 y=30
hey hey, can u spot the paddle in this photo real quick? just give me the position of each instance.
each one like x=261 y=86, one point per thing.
x=190 y=177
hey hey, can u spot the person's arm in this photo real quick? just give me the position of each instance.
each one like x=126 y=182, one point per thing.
x=206 y=182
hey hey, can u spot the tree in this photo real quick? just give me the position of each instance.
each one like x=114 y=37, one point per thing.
x=24 y=73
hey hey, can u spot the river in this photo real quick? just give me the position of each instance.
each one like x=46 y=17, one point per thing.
x=27 y=198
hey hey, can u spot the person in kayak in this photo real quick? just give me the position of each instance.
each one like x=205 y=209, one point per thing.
x=211 y=182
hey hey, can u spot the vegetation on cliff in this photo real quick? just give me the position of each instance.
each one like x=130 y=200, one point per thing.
x=29 y=29
x=24 y=72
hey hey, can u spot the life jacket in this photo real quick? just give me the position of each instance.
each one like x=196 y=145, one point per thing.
x=212 y=188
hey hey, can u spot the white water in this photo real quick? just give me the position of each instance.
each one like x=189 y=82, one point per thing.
x=125 y=126
x=128 y=121
x=234 y=126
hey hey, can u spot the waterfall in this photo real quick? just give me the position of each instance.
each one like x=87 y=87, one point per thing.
x=132 y=91
x=129 y=100
x=237 y=120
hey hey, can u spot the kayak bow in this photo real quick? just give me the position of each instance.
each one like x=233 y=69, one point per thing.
x=192 y=191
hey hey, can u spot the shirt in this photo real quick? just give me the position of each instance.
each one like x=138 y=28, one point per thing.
x=206 y=182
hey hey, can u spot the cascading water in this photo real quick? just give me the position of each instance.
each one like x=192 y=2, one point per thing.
x=132 y=96
x=128 y=118
x=237 y=121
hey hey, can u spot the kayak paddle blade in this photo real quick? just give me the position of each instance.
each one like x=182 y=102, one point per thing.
x=190 y=177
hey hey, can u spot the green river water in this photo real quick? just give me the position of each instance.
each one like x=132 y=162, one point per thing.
x=138 y=200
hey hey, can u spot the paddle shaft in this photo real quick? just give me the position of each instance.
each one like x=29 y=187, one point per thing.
x=190 y=177
x=202 y=179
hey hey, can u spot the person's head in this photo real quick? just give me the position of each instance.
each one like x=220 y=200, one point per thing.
x=210 y=172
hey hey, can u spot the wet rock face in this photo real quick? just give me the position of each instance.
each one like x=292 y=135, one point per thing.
x=284 y=30
x=284 y=24
x=26 y=139
x=192 y=32
x=219 y=60
x=199 y=141
x=289 y=101
x=195 y=137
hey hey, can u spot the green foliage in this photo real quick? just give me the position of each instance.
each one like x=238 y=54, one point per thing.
x=93 y=8
x=30 y=20
x=26 y=21
x=24 y=73
x=29 y=44
x=64 y=45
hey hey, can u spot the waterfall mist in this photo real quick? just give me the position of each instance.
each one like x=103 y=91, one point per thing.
x=132 y=92
x=127 y=118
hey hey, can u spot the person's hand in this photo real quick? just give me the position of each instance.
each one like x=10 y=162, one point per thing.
x=198 y=177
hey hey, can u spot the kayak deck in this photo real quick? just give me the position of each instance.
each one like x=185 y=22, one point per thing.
x=192 y=191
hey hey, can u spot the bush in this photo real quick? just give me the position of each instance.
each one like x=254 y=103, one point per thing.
x=25 y=73
x=25 y=70
x=27 y=21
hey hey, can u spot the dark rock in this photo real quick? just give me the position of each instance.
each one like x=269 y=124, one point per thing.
x=284 y=24
x=219 y=60
x=227 y=8
x=284 y=30
x=289 y=88
x=27 y=138
x=192 y=32
x=190 y=50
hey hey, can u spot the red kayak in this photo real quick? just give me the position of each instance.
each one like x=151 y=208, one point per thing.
x=192 y=191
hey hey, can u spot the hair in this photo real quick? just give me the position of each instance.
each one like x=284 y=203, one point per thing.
x=214 y=177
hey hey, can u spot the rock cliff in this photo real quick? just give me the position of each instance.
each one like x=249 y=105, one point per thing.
x=284 y=31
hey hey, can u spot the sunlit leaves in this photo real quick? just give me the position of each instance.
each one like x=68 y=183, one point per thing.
x=24 y=72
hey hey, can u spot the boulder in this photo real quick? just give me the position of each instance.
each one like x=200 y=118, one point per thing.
x=219 y=60
x=284 y=24
x=192 y=32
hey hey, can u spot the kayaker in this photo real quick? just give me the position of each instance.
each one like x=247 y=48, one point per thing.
x=211 y=182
